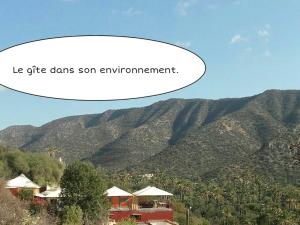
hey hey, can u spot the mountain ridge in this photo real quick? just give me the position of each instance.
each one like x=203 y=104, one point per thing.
x=200 y=135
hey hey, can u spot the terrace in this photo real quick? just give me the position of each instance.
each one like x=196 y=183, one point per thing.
x=148 y=204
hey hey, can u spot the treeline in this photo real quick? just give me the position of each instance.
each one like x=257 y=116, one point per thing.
x=39 y=167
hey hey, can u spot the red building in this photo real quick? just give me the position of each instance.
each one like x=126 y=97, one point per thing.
x=146 y=205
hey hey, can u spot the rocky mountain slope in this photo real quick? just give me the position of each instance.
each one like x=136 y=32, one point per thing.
x=193 y=137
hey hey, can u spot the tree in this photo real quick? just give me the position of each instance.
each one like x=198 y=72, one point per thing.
x=52 y=151
x=83 y=186
x=39 y=167
x=72 y=215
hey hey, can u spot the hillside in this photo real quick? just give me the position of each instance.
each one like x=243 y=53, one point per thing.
x=194 y=137
x=256 y=135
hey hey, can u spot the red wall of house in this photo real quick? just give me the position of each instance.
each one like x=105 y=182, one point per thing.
x=119 y=202
x=145 y=216
x=14 y=191
x=115 y=202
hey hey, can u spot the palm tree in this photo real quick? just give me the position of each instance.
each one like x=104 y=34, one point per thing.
x=52 y=151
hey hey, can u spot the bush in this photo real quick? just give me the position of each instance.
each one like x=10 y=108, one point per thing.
x=25 y=195
x=36 y=208
x=127 y=222
x=72 y=215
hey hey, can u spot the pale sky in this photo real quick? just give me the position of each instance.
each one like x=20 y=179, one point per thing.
x=248 y=46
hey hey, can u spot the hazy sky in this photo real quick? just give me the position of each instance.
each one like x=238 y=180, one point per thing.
x=248 y=45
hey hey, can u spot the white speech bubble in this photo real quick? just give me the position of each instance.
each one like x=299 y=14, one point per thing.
x=98 y=68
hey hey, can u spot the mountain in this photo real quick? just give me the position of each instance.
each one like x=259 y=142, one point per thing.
x=195 y=137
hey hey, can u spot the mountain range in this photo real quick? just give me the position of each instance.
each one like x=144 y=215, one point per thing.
x=185 y=137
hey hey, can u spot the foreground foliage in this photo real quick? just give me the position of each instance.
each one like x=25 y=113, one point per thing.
x=72 y=215
x=16 y=212
x=127 y=222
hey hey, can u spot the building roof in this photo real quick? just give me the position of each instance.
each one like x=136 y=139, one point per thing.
x=151 y=191
x=21 y=182
x=116 y=192
x=51 y=192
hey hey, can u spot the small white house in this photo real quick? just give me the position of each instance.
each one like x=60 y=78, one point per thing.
x=22 y=183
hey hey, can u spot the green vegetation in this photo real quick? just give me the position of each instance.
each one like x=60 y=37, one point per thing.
x=25 y=195
x=180 y=211
x=242 y=197
x=127 y=222
x=83 y=186
x=72 y=215
x=39 y=167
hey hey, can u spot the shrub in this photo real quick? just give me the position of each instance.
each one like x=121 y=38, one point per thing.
x=72 y=215
x=127 y=222
x=25 y=195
